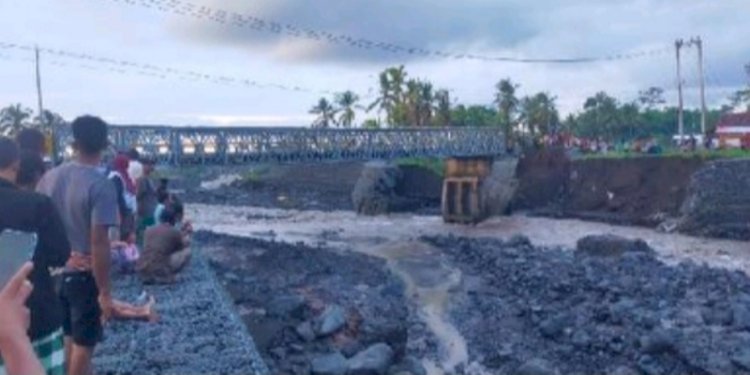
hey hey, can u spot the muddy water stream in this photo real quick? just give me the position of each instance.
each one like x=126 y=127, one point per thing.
x=429 y=278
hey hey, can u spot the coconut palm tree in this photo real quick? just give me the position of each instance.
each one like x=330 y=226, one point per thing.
x=347 y=103
x=391 y=96
x=507 y=106
x=442 y=108
x=13 y=118
x=539 y=112
x=326 y=114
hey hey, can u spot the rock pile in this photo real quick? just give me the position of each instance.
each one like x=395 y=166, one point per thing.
x=620 y=310
x=197 y=325
x=718 y=202
x=315 y=311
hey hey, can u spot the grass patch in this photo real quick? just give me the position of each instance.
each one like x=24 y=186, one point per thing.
x=700 y=154
x=435 y=165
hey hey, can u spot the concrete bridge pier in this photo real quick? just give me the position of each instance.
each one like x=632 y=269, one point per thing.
x=477 y=187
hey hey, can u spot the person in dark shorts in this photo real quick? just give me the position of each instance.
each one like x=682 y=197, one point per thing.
x=87 y=201
x=28 y=211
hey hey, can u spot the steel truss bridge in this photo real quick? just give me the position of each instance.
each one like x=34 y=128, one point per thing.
x=239 y=145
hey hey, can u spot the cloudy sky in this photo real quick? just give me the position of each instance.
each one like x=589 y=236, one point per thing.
x=133 y=31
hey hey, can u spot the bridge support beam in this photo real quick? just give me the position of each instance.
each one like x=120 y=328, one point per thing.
x=462 y=199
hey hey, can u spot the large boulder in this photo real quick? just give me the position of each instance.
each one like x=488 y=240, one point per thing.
x=330 y=321
x=499 y=187
x=718 y=203
x=608 y=245
x=374 y=360
x=375 y=190
x=329 y=364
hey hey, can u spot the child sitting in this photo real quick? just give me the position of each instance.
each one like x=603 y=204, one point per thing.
x=125 y=254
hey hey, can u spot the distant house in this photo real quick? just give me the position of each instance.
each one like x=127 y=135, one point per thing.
x=733 y=128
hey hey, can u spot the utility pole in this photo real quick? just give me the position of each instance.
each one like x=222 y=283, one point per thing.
x=699 y=43
x=678 y=45
x=39 y=85
x=51 y=133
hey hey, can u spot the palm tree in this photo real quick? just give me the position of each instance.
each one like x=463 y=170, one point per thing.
x=442 y=108
x=507 y=105
x=326 y=114
x=13 y=118
x=49 y=120
x=391 y=96
x=347 y=103
x=539 y=112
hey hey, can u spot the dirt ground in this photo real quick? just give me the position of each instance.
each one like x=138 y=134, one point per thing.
x=635 y=191
x=320 y=186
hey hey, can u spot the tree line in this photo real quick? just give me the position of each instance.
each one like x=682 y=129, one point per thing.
x=15 y=117
x=403 y=101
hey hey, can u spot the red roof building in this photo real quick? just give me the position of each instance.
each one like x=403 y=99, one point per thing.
x=733 y=130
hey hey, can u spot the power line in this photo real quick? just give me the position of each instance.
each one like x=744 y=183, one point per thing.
x=230 y=18
x=154 y=71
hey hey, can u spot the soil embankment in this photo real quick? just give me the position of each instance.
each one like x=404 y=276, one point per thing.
x=320 y=186
x=634 y=191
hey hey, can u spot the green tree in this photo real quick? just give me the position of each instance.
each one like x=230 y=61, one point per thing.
x=391 y=95
x=442 y=108
x=599 y=118
x=539 y=114
x=326 y=114
x=13 y=118
x=652 y=97
x=418 y=102
x=507 y=106
x=741 y=99
x=371 y=123
x=347 y=103
x=50 y=120
x=474 y=115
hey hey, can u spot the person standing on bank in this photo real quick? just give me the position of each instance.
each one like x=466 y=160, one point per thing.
x=87 y=201
x=146 y=199
x=125 y=189
x=27 y=211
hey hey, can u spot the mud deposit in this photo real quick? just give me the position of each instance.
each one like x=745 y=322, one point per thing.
x=546 y=310
x=311 y=308
x=320 y=186
x=634 y=191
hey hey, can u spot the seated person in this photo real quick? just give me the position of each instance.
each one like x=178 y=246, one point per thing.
x=184 y=226
x=166 y=250
x=125 y=254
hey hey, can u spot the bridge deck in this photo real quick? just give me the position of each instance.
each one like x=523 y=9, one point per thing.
x=238 y=145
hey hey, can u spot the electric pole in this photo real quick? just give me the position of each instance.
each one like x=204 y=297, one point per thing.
x=39 y=86
x=699 y=43
x=680 y=126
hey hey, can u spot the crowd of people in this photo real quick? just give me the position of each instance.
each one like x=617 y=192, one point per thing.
x=90 y=219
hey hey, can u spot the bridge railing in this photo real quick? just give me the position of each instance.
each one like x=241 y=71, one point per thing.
x=237 y=145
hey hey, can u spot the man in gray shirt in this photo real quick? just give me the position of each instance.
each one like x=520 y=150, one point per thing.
x=87 y=202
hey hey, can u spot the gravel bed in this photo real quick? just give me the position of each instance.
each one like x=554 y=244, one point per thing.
x=550 y=311
x=198 y=332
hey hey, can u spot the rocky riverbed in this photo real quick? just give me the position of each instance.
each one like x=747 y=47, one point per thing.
x=314 y=310
x=607 y=307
